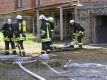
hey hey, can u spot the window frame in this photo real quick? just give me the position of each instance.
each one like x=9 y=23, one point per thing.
x=19 y=4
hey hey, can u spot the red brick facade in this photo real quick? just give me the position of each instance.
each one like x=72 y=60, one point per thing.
x=50 y=2
x=7 y=6
x=27 y=4
x=11 y=5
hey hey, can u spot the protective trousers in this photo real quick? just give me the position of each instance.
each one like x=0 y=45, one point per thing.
x=78 y=39
x=21 y=48
x=7 y=47
x=46 y=48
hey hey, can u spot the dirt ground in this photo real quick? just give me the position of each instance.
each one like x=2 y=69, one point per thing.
x=10 y=71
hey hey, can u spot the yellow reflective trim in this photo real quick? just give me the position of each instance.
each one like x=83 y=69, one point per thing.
x=20 y=38
x=12 y=39
x=48 y=50
x=43 y=31
x=20 y=24
x=80 y=32
x=7 y=50
x=43 y=40
x=13 y=49
x=43 y=51
x=52 y=30
x=6 y=39
x=47 y=31
x=74 y=34
x=51 y=45
x=22 y=50
x=80 y=43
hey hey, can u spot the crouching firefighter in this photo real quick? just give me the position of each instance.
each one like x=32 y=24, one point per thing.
x=8 y=34
x=45 y=35
x=78 y=32
x=20 y=36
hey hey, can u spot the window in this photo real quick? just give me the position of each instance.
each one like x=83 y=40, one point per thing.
x=39 y=2
x=19 y=4
x=33 y=3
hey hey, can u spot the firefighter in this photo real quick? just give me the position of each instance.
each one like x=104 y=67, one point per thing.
x=8 y=34
x=51 y=22
x=45 y=35
x=78 y=32
x=20 y=34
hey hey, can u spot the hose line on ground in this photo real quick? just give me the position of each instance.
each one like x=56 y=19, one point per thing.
x=19 y=63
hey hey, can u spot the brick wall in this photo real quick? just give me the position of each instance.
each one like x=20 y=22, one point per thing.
x=50 y=2
x=10 y=5
x=27 y=4
x=93 y=1
x=7 y=5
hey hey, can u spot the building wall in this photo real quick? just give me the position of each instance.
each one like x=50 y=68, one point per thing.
x=7 y=6
x=10 y=5
x=50 y=2
x=27 y=4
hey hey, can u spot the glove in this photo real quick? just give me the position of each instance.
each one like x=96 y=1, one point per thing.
x=81 y=33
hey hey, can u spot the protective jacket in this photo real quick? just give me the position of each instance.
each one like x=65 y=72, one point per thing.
x=20 y=29
x=77 y=27
x=78 y=33
x=45 y=31
x=8 y=32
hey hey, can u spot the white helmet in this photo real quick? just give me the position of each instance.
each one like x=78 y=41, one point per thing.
x=42 y=17
x=9 y=21
x=51 y=19
x=72 y=21
x=46 y=19
x=19 y=17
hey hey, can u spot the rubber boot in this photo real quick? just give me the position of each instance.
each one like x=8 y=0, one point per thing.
x=6 y=53
x=14 y=52
x=23 y=54
x=80 y=46
x=20 y=53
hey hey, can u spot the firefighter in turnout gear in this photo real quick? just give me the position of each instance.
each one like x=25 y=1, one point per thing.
x=20 y=34
x=45 y=35
x=78 y=32
x=51 y=22
x=8 y=34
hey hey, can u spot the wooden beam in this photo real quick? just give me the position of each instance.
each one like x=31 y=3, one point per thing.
x=61 y=23
x=38 y=25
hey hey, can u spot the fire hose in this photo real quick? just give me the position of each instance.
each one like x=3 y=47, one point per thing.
x=19 y=63
x=59 y=73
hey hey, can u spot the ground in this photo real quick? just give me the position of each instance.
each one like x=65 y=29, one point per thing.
x=10 y=71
